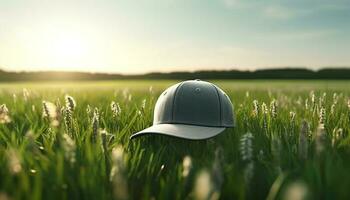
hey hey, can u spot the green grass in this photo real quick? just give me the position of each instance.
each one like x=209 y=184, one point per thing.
x=41 y=161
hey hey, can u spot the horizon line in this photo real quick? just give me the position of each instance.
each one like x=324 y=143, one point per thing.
x=180 y=71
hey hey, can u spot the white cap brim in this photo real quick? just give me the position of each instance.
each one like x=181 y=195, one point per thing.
x=182 y=131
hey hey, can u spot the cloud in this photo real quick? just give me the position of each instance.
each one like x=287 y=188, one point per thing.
x=299 y=35
x=247 y=4
x=310 y=34
x=284 y=12
x=279 y=12
x=230 y=3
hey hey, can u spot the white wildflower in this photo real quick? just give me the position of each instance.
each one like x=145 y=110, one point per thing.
x=95 y=123
x=30 y=140
x=255 y=108
x=88 y=109
x=4 y=109
x=116 y=110
x=143 y=105
x=249 y=172
x=322 y=115
x=322 y=99
x=106 y=139
x=307 y=104
x=246 y=150
x=296 y=191
x=125 y=93
x=4 y=114
x=26 y=94
x=68 y=119
x=313 y=100
x=4 y=196
x=69 y=148
x=117 y=175
x=260 y=156
x=68 y=113
x=58 y=104
x=70 y=103
x=265 y=112
x=333 y=109
x=320 y=139
x=139 y=113
x=303 y=143
x=14 y=162
x=337 y=135
x=335 y=98
x=14 y=96
x=187 y=166
x=264 y=108
x=203 y=186
x=292 y=115
x=217 y=174
x=246 y=146
x=273 y=109
x=50 y=112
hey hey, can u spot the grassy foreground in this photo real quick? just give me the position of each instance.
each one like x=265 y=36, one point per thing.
x=71 y=141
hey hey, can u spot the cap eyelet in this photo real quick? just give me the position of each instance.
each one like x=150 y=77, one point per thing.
x=198 y=90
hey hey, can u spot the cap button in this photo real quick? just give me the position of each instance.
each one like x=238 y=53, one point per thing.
x=197 y=79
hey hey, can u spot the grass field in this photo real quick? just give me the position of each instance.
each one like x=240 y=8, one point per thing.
x=291 y=141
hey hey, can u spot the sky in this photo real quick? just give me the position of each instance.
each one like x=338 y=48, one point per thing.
x=138 y=36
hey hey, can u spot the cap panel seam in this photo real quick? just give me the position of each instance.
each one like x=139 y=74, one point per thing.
x=173 y=103
x=220 y=106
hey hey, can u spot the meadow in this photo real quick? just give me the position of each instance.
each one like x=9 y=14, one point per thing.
x=71 y=141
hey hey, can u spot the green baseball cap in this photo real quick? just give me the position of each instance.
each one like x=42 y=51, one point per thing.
x=192 y=109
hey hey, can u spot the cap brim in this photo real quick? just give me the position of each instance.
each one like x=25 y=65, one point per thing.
x=182 y=131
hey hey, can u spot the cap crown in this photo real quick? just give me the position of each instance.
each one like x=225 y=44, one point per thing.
x=194 y=103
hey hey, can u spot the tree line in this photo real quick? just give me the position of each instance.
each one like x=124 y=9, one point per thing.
x=279 y=73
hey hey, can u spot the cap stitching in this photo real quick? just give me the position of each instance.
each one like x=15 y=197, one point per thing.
x=192 y=124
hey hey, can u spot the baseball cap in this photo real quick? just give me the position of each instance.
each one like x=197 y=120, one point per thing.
x=191 y=109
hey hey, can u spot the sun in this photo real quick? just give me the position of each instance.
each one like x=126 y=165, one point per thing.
x=64 y=48
x=69 y=46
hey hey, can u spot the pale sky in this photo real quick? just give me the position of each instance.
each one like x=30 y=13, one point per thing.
x=137 y=36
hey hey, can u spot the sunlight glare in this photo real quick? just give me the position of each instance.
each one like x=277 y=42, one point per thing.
x=68 y=46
